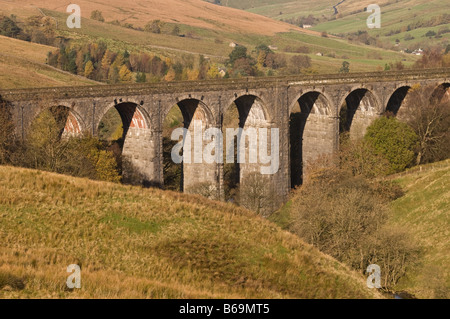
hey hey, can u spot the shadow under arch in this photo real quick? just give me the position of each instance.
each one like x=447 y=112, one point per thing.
x=357 y=112
x=246 y=112
x=191 y=174
x=440 y=92
x=310 y=116
x=397 y=99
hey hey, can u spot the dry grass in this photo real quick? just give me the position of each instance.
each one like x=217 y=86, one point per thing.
x=425 y=210
x=147 y=243
x=22 y=65
x=196 y=13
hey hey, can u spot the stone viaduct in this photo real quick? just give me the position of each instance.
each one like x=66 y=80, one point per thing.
x=261 y=102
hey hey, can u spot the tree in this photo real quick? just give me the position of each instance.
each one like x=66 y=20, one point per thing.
x=255 y=193
x=88 y=69
x=153 y=26
x=141 y=77
x=97 y=15
x=344 y=216
x=125 y=75
x=394 y=140
x=170 y=76
x=9 y=28
x=113 y=75
x=213 y=72
x=243 y=67
x=345 y=67
x=239 y=52
x=299 y=62
x=430 y=120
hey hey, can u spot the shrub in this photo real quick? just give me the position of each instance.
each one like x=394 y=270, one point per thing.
x=345 y=217
x=97 y=15
x=394 y=140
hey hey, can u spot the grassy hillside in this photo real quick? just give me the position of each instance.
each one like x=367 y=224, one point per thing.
x=195 y=13
x=147 y=243
x=210 y=34
x=22 y=64
x=425 y=210
x=395 y=16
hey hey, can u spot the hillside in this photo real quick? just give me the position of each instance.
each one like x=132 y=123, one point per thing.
x=425 y=210
x=195 y=13
x=201 y=33
x=22 y=64
x=405 y=20
x=147 y=243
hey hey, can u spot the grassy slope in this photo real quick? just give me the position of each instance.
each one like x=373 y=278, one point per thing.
x=22 y=64
x=190 y=12
x=135 y=243
x=395 y=15
x=425 y=210
x=211 y=39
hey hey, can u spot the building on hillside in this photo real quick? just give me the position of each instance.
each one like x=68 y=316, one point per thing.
x=233 y=45
x=417 y=52
x=273 y=47
x=306 y=26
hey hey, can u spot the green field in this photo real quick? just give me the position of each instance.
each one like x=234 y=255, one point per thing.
x=351 y=18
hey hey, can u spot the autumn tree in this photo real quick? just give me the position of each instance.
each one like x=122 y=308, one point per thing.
x=125 y=75
x=430 y=120
x=299 y=62
x=153 y=26
x=88 y=69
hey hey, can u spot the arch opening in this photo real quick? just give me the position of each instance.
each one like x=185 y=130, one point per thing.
x=191 y=174
x=397 y=100
x=124 y=131
x=356 y=114
x=65 y=122
x=310 y=129
x=247 y=113
x=441 y=93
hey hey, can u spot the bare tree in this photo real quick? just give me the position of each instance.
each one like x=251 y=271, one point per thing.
x=430 y=119
x=256 y=193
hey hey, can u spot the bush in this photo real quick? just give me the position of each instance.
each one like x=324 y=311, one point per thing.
x=97 y=15
x=9 y=28
x=45 y=148
x=256 y=194
x=394 y=140
x=345 y=217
